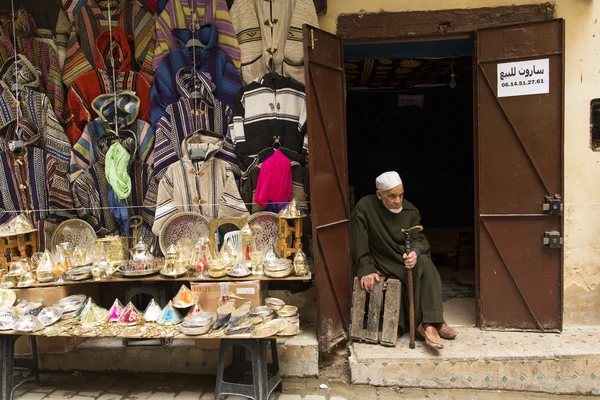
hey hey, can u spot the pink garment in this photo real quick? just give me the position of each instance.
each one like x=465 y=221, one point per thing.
x=274 y=180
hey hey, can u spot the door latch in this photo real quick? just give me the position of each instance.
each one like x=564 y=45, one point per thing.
x=552 y=240
x=553 y=205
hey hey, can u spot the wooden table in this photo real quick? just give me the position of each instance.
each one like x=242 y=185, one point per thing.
x=8 y=338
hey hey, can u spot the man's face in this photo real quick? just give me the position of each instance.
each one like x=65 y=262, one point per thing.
x=392 y=198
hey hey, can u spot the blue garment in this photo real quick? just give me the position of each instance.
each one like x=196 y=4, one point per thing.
x=208 y=59
x=120 y=210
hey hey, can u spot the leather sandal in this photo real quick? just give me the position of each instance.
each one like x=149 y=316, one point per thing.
x=431 y=336
x=446 y=332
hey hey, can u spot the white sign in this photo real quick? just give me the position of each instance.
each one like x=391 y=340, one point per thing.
x=524 y=78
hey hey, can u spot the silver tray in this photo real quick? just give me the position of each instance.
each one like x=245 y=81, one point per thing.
x=6 y=235
x=71 y=303
x=265 y=226
x=183 y=225
x=77 y=232
x=144 y=272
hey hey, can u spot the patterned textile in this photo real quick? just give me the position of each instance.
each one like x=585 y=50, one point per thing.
x=208 y=188
x=270 y=36
x=208 y=59
x=35 y=107
x=91 y=19
x=180 y=14
x=89 y=86
x=82 y=154
x=90 y=195
x=180 y=121
x=269 y=108
x=41 y=54
x=34 y=182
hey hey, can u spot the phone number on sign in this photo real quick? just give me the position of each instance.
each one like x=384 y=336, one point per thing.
x=523 y=83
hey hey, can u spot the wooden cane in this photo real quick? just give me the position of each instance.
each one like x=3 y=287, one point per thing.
x=411 y=290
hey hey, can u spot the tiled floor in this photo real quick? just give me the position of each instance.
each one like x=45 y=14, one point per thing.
x=564 y=363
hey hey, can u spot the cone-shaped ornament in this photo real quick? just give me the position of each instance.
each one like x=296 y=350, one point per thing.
x=169 y=315
x=184 y=298
x=115 y=311
x=152 y=312
x=130 y=315
x=195 y=310
x=93 y=315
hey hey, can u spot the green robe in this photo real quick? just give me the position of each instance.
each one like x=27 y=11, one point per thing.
x=378 y=245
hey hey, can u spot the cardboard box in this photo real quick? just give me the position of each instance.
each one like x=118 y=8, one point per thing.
x=50 y=295
x=209 y=293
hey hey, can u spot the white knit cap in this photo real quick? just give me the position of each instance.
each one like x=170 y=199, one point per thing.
x=388 y=180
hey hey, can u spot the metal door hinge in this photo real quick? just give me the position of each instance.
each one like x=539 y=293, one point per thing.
x=552 y=240
x=553 y=205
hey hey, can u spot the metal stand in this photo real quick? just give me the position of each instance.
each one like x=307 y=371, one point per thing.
x=262 y=386
x=8 y=362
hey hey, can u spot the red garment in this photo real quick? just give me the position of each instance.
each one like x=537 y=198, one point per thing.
x=92 y=84
x=274 y=180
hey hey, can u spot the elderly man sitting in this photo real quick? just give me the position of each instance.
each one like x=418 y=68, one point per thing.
x=378 y=251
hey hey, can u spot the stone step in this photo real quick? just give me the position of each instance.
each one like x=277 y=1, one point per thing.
x=298 y=356
x=525 y=361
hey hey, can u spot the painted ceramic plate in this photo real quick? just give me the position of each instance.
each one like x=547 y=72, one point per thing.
x=79 y=233
x=7 y=297
x=265 y=331
x=265 y=226
x=184 y=225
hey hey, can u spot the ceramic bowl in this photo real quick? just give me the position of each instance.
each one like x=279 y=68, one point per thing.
x=277 y=265
x=274 y=303
x=217 y=273
x=279 y=274
x=199 y=319
x=287 y=311
x=196 y=330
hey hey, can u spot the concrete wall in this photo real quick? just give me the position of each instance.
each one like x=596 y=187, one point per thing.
x=582 y=165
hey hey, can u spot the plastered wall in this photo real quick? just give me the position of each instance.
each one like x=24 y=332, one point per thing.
x=582 y=165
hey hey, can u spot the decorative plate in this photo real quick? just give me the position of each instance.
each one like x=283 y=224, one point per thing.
x=77 y=232
x=265 y=226
x=7 y=298
x=183 y=225
x=265 y=331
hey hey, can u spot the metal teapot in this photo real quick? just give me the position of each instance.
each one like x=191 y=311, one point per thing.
x=141 y=253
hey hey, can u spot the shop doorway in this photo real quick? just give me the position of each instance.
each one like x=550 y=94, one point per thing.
x=410 y=110
x=518 y=151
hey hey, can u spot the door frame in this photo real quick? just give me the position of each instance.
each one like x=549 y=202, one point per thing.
x=363 y=36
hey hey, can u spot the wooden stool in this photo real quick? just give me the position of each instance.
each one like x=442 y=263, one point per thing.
x=386 y=294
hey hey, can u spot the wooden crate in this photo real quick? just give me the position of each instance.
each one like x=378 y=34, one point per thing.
x=385 y=297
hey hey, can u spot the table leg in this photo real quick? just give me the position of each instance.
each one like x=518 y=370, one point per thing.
x=7 y=359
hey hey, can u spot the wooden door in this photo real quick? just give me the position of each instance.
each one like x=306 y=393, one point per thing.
x=519 y=152
x=328 y=166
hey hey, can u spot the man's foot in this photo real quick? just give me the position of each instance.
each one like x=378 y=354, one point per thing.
x=431 y=336
x=446 y=332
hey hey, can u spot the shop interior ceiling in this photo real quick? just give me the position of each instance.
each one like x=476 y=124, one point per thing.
x=409 y=64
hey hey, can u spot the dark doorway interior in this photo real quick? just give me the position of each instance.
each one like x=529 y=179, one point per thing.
x=412 y=120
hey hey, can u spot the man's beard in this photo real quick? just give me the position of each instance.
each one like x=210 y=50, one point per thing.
x=392 y=210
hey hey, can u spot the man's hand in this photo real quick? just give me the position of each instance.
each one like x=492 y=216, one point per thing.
x=367 y=282
x=410 y=260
